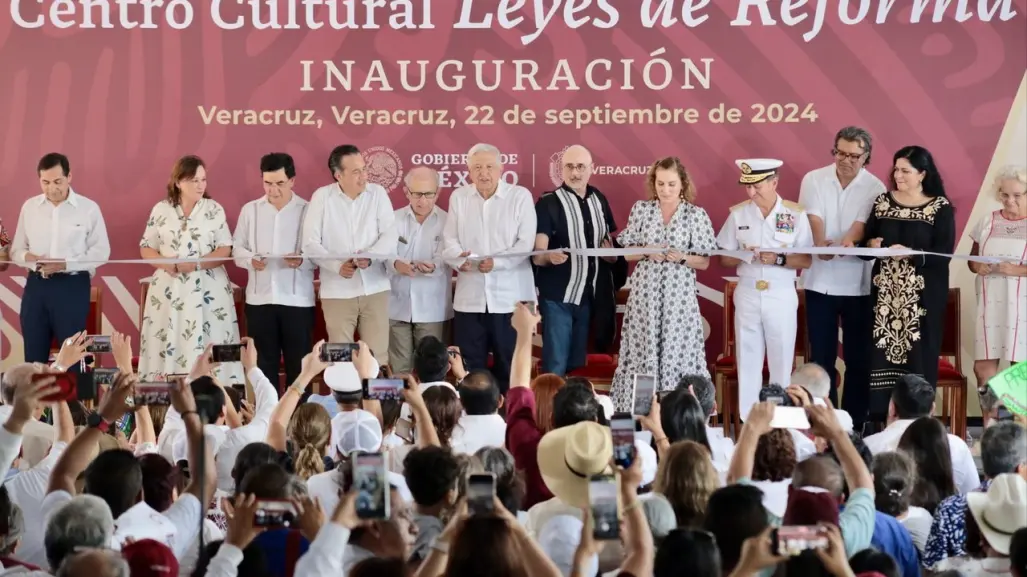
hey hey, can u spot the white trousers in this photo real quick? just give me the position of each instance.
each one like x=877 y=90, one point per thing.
x=765 y=323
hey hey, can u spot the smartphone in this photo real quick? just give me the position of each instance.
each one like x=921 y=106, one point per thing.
x=274 y=514
x=645 y=388
x=405 y=430
x=602 y=498
x=152 y=394
x=104 y=376
x=531 y=306
x=1004 y=414
x=369 y=477
x=240 y=388
x=384 y=389
x=176 y=377
x=338 y=352
x=226 y=353
x=99 y=344
x=622 y=429
x=481 y=493
x=791 y=540
x=67 y=382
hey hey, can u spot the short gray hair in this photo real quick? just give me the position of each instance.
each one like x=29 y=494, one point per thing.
x=813 y=378
x=1010 y=172
x=116 y=564
x=1003 y=448
x=482 y=148
x=429 y=172
x=298 y=488
x=856 y=134
x=83 y=522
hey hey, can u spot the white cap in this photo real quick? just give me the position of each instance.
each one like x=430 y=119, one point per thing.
x=356 y=431
x=607 y=404
x=649 y=462
x=757 y=169
x=343 y=377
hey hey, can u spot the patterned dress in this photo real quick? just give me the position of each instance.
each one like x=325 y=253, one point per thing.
x=909 y=294
x=1001 y=328
x=183 y=313
x=662 y=333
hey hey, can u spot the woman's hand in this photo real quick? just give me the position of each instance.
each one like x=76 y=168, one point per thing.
x=983 y=268
x=188 y=267
x=171 y=269
x=658 y=257
x=875 y=242
x=834 y=558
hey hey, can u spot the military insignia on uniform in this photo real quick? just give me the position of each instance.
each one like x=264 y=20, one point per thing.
x=785 y=222
x=746 y=169
x=403 y=240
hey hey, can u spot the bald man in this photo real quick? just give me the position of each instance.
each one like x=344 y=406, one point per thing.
x=573 y=289
x=422 y=296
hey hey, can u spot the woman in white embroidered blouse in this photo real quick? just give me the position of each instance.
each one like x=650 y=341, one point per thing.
x=189 y=304
x=1001 y=327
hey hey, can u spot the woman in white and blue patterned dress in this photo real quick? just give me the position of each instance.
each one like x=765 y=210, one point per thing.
x=662 y=333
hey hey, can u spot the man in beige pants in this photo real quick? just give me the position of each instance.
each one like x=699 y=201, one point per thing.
x=348 y=218
x=422 y=284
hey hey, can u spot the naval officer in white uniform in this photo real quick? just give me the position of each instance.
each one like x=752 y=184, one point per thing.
x=766 y=302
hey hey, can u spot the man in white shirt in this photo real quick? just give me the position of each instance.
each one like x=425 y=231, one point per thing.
x=347 y=218
x=816 y=381
x=766 y=302
x=488 y=219
x=913 y=398
x=61 y=239
x=422 y=283
x=280 y=291
x=838 y=199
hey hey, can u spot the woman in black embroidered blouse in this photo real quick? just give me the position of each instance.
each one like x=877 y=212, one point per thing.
x=909 y=293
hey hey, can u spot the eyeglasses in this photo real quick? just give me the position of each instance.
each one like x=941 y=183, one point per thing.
x=577 y=167
x=420 y=195
x=841 y=155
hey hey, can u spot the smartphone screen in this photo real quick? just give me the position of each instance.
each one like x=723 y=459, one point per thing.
x=226 y=353
x=240 y=388
x=384 y=389
x=99 y=344
x=104 y=377
x=623 y=432
x=530 y=305
x=67 y=382
x=791 y=540
x=273 y=514
x=481 y=492
x=645 y=388
x=370 y=479
x=405 y=430
x=152 y=394
x=602 y=498
x=338 y=352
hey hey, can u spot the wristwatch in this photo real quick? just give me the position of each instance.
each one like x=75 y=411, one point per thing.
x=96 y=421
x=780 y=260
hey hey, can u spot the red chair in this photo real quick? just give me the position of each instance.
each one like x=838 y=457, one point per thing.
x=725 y=369
x=952 y=382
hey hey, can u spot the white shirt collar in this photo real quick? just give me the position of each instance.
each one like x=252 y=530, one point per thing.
x=72 y=198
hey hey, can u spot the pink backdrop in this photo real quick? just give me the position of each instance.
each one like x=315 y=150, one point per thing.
x=123 y=105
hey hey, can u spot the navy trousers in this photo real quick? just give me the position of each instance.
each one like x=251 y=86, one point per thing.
x=52 y=308
x=823 y=313
x=478 y=334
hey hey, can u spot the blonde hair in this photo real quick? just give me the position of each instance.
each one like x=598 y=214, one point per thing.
x=1010 y=172
x=310 y=430
x=688 y=192
x=686 y=477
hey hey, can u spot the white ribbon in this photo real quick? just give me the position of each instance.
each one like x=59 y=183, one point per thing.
x=744 y=255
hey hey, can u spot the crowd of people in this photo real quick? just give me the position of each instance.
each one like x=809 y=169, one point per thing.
x=262 y=479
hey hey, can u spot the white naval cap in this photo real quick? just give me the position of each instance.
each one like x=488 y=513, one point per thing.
x=757 y=169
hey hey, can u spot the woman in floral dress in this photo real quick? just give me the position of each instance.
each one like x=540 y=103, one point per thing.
x=662 y=333
x=910 y=292
x=189 y=304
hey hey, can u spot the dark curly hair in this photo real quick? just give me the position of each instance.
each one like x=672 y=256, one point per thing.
x=430 y=473
x=775 y=456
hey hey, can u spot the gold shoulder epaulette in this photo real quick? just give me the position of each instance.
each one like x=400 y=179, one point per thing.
x=742 y=204
x=793 y=205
